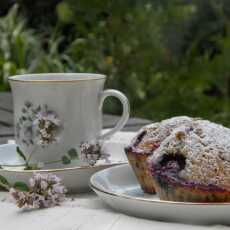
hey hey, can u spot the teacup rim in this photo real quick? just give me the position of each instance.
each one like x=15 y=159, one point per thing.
x=70 y=77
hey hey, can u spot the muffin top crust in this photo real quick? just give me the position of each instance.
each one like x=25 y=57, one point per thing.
x=205 y=147
x=150 y=137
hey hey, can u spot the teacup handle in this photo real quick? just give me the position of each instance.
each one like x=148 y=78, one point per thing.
x=125 y=114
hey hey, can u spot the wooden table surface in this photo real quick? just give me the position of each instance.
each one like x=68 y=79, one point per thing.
x=83 y=212
x=7 y=126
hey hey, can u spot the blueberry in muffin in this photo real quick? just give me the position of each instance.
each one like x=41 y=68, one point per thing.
x=144 y=145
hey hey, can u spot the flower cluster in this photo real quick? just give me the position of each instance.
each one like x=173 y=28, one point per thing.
x=92 y=152
x=47 y=126
x=45 y=190
x=37 y=125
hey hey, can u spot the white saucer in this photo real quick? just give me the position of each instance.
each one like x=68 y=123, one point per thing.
x=118 y=187
x=76 y=179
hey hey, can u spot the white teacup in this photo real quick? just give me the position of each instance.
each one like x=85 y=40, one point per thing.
x=55 y=113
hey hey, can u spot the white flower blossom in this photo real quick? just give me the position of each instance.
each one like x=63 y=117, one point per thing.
x=44 y=185
x=32 y=182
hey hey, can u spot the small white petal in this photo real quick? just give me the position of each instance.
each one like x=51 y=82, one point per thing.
x=44 y=185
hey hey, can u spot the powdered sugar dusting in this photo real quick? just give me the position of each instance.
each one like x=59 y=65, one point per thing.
x=205 y=146
x=157 y=132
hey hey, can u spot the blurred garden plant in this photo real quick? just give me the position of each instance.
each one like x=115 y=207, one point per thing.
x=18 y=46
x=22 y=51
x=169 y=56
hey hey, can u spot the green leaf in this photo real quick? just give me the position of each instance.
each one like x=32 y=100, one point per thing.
x=4 y=180
x=21 y=154
x=66 y=160
x=21 y=186
x=4 y=183
x=73 y=154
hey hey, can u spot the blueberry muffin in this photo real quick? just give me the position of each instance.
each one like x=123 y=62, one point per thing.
x=147 y=141
x=192 y=164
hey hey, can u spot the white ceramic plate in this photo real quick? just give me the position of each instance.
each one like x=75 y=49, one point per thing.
x=118 y=187
x=76 y=179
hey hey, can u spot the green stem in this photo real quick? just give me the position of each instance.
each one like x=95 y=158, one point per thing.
x=28 y=160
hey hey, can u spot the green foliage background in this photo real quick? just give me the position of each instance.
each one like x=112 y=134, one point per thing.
x=170 y=57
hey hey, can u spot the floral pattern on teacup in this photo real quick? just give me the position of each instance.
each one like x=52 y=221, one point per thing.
x=38 y=125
